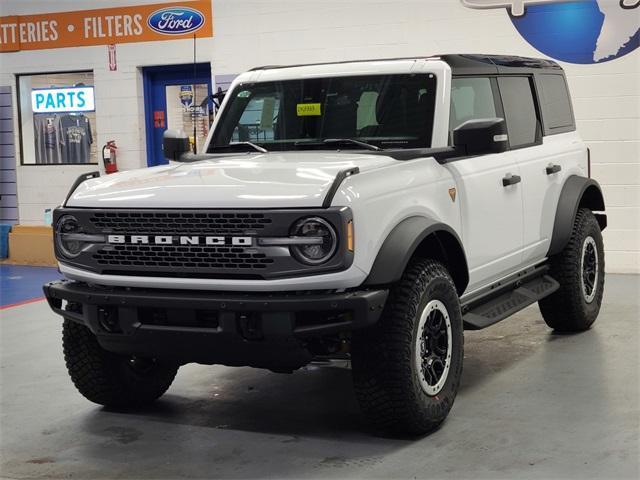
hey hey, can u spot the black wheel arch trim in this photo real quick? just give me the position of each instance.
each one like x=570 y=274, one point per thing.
x=408 y=238
x=577 y=192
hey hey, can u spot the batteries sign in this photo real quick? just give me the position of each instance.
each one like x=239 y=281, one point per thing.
x=140 y=22
x=58 y=100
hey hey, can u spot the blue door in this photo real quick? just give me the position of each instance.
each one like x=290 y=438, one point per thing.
x=172 y=97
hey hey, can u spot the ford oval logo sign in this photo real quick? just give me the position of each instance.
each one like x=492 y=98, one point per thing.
x=175 y=20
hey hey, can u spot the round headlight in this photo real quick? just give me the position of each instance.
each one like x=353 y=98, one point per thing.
x=323 y=241
x=65 y=229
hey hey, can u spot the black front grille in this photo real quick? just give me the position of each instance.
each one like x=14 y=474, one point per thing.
x=173 y=256
x=193 y=258
x=180 y=223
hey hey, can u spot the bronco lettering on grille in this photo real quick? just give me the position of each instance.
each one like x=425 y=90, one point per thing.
x=180 y=240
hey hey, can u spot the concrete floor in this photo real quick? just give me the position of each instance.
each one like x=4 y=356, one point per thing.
x=531 y=405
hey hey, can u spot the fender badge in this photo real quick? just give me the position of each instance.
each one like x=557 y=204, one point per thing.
x=452 y=194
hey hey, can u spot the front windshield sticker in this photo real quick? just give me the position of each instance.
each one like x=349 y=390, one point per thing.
x=308 y=110
x=244 y=94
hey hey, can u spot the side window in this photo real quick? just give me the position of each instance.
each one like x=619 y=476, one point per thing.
x=258 y=119
x=519 y=110
x=555 y=103
x=471 y=98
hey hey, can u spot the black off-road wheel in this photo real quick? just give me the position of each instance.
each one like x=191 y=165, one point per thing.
x=407 y=368
x=579 y=269
x=109 y=379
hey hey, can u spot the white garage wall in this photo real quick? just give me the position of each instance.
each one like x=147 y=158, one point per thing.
x=249 y=33
x=119 y=99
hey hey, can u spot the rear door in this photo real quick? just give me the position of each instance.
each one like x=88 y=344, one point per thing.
x=492 y=223
x=545 y=161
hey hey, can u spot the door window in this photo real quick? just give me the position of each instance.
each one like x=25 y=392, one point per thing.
x=185 y=113
x=519 y=111
x=176 y=97
x=471 y=98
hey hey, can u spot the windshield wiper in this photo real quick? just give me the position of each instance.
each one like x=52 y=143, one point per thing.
x=252 y=145
x=351 y=141
x=338 y=141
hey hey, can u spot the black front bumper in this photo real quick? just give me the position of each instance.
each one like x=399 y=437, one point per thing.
x=258 y=329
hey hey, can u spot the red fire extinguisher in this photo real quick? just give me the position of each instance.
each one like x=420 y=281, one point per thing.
x=109 y=153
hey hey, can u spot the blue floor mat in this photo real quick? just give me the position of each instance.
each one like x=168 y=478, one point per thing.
x=20 y=283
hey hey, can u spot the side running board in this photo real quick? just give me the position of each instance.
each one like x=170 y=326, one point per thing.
x=487 y=311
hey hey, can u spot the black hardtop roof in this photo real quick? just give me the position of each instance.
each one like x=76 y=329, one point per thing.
x=461 y=64
x=497 y=64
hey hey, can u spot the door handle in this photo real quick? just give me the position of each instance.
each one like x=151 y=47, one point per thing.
x=511 y=180
x=551 y=169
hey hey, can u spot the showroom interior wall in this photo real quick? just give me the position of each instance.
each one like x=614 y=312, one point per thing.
x=248 y=33
x=119 y=101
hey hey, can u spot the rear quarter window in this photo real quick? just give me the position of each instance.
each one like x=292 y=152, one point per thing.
x=520 y=111
x=555 y=103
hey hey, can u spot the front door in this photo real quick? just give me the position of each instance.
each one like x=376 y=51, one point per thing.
x=492 y=216
x=173 y=95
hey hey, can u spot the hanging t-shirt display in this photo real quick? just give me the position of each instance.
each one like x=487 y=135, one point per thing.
x=58 y=112
x=49 y=139
x=76 y=132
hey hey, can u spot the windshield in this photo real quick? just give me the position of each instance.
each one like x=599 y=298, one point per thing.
x=385 y=111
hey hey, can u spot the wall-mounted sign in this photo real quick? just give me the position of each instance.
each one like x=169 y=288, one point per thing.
x=112 y=59
x=176 y=20
x=585 y=32
x=186 y=95
x=59 y=100
x=159 y=119
x=139 y=23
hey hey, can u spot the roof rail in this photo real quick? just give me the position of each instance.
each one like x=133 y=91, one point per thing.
x=460 y=61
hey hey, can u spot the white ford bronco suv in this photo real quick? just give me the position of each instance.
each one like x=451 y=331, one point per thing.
x=367 y=212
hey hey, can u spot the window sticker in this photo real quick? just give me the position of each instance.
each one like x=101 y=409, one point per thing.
x=244 y=94
x=308 y=110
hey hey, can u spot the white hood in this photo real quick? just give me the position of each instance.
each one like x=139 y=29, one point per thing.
x=271 y=180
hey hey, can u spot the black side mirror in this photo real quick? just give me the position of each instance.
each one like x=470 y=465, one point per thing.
x=482 y=135
x=175 y=143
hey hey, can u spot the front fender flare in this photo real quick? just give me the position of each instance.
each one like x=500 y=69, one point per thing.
x=406 y=239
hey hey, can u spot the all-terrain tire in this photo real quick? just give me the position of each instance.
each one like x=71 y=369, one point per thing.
x=574 y=306
x=109 y=379
x=385 y=370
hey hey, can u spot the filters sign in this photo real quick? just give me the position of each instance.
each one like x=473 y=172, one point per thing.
x=139 y=23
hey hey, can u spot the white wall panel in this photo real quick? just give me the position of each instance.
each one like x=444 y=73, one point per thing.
x=261 y=32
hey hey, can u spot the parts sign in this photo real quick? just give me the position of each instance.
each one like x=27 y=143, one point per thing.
x=56 y=100
x=140 y=23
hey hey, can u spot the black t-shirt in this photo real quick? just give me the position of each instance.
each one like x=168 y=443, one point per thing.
x=76 y=132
